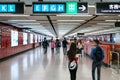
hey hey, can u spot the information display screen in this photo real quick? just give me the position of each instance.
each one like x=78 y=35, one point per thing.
x=14 y=38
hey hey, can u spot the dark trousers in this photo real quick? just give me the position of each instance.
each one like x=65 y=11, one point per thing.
x=45 y=50
x=73 y=74
x=64 y=50
x=98 y=66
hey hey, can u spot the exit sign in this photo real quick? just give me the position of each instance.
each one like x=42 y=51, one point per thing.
x=71 y=7
x=17 y=8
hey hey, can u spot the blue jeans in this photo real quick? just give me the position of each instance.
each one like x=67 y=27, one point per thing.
x=64 y=50
x=98 y=66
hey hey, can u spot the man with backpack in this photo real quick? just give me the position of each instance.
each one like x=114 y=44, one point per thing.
x=64 y=45
x=45 y=44
x=97 y=55
x=58 y=45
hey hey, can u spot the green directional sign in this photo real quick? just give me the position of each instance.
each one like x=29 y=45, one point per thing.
x=71 y=8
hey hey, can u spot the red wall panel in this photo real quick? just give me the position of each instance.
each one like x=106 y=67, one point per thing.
x=106 y=48
x=6 y=49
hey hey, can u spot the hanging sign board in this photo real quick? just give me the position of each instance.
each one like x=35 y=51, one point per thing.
x=108 y=8
x=45 y=7
x=16 y=8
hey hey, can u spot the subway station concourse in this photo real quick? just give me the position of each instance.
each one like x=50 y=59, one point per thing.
x=33 y=35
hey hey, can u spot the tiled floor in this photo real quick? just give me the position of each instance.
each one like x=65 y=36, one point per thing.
x=34 y=65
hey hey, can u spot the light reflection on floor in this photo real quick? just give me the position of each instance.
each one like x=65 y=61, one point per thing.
x=34 y=65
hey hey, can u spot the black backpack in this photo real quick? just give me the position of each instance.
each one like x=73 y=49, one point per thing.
x=98 y=54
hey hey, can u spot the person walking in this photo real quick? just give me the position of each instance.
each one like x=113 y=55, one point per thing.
x=64 y=45
x=97 y=55
x=45 y=45
x=80 y=47
x=58 y=45
x=75 y=41
x=72 y=59
x=52 y=45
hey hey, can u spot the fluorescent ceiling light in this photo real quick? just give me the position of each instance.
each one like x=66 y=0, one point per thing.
x=74 y=15
x=69 y=23
x=70 y=20
x=92 y=6
x=111 y=20
x=105 y=23
x=7 y=15
x=29 y=23
x=22 y=20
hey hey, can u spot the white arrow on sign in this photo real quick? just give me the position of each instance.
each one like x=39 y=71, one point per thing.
x=83 y=8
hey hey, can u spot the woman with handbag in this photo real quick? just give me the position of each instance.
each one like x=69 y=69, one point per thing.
x=72 y=59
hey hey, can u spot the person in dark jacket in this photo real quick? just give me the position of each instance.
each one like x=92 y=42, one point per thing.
x=64 y=45
x=96 y=64
x=58 y=45
x=45 y=45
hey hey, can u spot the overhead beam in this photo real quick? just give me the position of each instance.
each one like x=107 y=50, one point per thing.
x=50 y=21
x=81 y=25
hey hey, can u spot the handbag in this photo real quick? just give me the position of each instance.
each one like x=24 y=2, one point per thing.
x=72 y=65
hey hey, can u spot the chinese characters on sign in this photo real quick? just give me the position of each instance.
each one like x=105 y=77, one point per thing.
x=115 y=6
x=108 y=8
x=71 y=7
x=68 y=7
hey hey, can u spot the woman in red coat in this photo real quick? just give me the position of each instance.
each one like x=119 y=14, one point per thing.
x=72 y=61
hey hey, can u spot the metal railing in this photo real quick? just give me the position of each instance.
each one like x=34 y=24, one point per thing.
x=118 y=60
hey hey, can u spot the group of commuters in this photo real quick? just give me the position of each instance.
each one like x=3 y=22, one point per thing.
x=76 y=47
x=97 y=55
x=55 y=45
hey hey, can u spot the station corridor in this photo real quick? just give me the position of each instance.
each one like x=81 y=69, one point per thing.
x=34 y=65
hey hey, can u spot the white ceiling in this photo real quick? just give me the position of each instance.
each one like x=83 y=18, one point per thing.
x=63 y=23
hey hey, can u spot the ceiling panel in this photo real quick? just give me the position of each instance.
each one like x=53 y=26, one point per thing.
x=70 y=17
x=38 y=18
x=63 y=29
x=5 y=18
x=110 y=17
